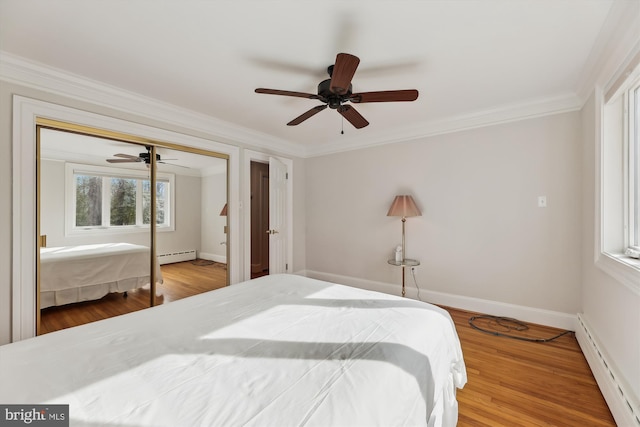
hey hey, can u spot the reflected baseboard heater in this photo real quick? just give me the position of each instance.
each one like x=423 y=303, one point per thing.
x=179 y=256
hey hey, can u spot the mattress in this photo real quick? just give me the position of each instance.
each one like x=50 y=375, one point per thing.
x=80 y=273
x=281 y=350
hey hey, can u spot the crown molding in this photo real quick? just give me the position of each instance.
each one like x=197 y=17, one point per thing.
x=502 y=114
x=619 y=38
x=20 y=71
x=17 y=70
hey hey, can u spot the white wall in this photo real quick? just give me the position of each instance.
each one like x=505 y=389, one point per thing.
x=6 y=181
x=52 y=219
x=481 y=234
x=299 y=215
x=214 y=196
x=187 y=216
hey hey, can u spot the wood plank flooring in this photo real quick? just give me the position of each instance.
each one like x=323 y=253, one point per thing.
x=181 y=280
x=519 y=383
x=510 y=382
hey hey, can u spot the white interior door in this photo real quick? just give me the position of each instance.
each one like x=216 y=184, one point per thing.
x=277 y=216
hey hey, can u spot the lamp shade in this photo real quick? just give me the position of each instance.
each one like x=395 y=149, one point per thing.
x=403 y=206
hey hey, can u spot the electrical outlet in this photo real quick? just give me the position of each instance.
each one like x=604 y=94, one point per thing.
x=542 y=201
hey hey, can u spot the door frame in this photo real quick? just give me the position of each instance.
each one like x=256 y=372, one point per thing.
x=256 y=156
x=26 y=111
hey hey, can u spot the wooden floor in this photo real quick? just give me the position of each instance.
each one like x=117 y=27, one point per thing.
x=180 y=280
x=518 y=383
x=510 y=382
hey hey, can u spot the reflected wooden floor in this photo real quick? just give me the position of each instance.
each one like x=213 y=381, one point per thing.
x=181 y=280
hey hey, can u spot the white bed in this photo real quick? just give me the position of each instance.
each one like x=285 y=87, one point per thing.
x=280 y=350
x=81 y=273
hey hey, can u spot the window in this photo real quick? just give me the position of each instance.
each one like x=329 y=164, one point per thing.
x=619 y=208
x=633 y=100
x=115 y=200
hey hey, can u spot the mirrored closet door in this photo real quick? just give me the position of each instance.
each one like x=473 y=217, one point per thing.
x=100 y=254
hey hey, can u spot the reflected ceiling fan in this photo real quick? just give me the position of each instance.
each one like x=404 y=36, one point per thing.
x=337 y=90
x=142 y=157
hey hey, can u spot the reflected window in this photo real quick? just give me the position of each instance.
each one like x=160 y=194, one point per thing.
x=88 y=201
x=162 y=202
x=123 y=201
x=116 y=199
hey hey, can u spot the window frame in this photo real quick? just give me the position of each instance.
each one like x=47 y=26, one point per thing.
x=615 y=188
x=73 y=169
x=632 y=165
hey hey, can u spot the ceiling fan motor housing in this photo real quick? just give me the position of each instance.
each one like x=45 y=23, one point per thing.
x=147 y=157
x=334 y=100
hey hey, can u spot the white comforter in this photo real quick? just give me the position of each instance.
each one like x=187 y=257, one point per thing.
x=276 y=351
x=87 y=272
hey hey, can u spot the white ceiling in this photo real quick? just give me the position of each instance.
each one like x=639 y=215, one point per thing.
x=467 y=58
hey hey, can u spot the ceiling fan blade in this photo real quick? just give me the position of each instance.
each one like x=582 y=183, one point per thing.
x=301 y=118
x=350 y=113
x=343 y=71
x=173 y=164
x=127 y=156
x=287 y=93
x=123 y=160
x=385 y=96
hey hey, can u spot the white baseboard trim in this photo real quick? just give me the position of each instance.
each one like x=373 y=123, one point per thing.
x=624 y=405
x=528 y=314
x=212 y=257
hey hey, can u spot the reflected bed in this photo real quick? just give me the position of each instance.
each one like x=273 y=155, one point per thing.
x=71 y=274
x=280 y=350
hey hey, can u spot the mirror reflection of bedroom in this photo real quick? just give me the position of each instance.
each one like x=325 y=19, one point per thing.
x=96 y=239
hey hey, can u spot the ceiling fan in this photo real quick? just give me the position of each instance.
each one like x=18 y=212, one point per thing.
x=337 y=90
x=142 y=157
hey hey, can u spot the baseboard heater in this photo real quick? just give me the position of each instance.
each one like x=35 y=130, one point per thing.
x=180 y=256
x=622 y=403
